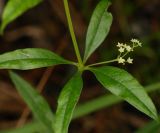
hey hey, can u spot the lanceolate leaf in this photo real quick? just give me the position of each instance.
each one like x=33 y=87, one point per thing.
x=34 y=100
x=122 y=84
x=67 y=102
x=30 y=58
x=99 y=27
x=15 y=8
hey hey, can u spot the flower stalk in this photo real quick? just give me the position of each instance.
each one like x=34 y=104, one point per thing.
x=124 y=50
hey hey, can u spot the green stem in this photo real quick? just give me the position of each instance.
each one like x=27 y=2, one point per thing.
x=66 y=6
x=101 y=63
x=125 y=54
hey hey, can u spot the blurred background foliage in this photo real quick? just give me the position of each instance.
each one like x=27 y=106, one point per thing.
x=45 y=26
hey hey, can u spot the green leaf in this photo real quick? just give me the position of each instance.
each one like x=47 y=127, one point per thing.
x=34 y=100
x=122 y=84
x=14 y=9
x=30 y=58
x=105 y=101
x=98 y=29
x=66 y=103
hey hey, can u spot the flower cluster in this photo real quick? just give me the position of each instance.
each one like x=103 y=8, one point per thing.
x=124 y=49
x=136 y=42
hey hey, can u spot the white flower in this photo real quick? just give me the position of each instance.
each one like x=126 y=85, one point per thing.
x=139 y=44
x=128 y=48
x=121 y=60
x=120 y=44
x=125 y=49
x=124 y=45
x=136 y=41
x=129 y=60
x=121 y=50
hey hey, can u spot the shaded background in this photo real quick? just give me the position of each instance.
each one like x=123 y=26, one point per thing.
x=45 y=26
